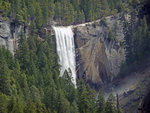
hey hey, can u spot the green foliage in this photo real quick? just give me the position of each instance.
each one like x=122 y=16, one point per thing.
x=84 y=102
x=3 y=103
x=15 y=105
x=110 y=104
x=101 y=103
x=38 y=14
x=37 y=88
x=23 y=54
x=137 y=40
x=22 y=14
x=74 y=107
x=68 y=86
x=40 y=107
x=66 y=12
x=5 y=7
x=4 y=74
x=63 y=106
x=30 y=107
x=92 y=99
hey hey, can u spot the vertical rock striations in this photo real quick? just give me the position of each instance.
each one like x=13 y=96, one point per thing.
x=9 y=35
x=99 y=50
x=6 y=36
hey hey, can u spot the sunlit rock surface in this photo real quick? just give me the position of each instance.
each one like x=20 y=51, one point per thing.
x=99 y=57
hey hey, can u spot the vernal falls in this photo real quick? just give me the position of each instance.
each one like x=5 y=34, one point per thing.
x=66 y=50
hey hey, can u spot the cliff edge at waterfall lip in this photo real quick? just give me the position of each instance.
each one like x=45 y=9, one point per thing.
x=60 y=26
x=77 y=25
x=54 y=23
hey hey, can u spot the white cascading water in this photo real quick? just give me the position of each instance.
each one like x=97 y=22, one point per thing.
x=66 y=50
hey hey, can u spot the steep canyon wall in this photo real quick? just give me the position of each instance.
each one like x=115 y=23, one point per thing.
x=99 y=50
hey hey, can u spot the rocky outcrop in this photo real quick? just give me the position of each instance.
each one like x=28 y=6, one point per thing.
x=5 y=35
x=99 y=50
x=9 y=34
x=5 y=29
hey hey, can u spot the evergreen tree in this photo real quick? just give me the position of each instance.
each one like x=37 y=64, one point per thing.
x=24 y=85
x=101 y=103
x=58 y=14
x=72 y=13
x=51 y=8
x=31 y=9
x=39 y=16
x=104 y=4
x=5 y=7
x=110 y=104
x=68 y=86
x=30 y=107
x=23 y=53
x=3 y=103
x=40 y=107
x=45 y=12
x=22 y=14
x=35 y=94
x=15 y=105
x=97 y=9
x=92 y=99
x=63 y=105
x=74 y=107
x=84 y=102
x=4 y=74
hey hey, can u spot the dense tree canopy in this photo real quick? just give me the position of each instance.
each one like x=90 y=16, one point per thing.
x=65 y=12
x=30 y=82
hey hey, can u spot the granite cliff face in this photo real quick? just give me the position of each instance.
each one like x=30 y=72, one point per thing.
x=99 y=50
x=9 y=34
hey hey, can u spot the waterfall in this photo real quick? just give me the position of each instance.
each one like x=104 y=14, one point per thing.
x=66 y=50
